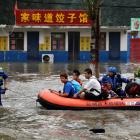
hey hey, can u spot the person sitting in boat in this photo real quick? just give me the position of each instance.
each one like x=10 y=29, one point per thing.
x=68 y=89
x=75 y=76
x=107 y=91
x=132 y=89
x=3 y=83
x=116 y=81
x=76 y=82
x=92 y=89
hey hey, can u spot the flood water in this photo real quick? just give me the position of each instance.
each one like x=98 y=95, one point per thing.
x=22 y=119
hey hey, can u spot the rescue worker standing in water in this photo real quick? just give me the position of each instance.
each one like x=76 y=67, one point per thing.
x=116 y=81
x=3 y=83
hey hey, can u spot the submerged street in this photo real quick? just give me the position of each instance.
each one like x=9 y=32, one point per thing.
x=40 y=39
x=21 y=118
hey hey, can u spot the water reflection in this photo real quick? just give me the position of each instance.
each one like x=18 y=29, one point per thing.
x=56 y=68
x=22 y=119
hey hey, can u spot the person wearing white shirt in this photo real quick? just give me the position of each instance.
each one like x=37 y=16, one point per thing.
x=92 y=89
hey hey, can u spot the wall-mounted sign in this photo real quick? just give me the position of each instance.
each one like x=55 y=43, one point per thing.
x=84 y=43
x=52 y=17
x=46 y=46
x=3 y=43
x=135 y=24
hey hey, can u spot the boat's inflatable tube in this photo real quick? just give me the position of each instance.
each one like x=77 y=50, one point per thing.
x=51 y=100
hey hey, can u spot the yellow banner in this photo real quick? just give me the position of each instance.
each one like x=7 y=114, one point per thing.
x=46 y=46
x=84 y=43
x=48 y=43
x=3 y=43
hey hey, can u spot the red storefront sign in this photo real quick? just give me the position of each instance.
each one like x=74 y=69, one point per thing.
x=52 y=17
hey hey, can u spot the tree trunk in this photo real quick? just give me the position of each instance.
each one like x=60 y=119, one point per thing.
x=97 y=46
x=95 y=35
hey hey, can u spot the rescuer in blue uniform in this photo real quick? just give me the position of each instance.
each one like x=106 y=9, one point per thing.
x=3 y=83
x=116 y=81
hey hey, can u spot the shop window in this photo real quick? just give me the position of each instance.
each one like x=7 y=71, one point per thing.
x=58 y=41
x=102 y=41
x=16 y=41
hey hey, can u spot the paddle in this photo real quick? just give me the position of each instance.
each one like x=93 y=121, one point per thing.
x=97 y=130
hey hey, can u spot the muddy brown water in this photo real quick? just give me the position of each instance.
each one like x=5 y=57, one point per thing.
x=22 y=119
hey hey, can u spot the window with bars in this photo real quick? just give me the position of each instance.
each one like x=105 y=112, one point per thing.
x=58 y=41
x=16 y=41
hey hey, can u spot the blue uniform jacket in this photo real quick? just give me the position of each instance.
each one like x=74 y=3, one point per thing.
x=116 y=81
x=3 y=76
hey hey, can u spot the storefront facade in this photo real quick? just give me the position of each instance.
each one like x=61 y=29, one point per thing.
x=62 y=35
x=114 y=45
x=64 y=44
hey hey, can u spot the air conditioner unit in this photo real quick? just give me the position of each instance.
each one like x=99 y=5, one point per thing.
x=47 y=58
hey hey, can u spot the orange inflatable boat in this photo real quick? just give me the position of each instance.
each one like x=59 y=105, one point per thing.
x=50 y=100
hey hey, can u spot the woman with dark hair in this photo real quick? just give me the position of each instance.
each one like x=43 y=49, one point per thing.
x=75 y=76
x=76 y=82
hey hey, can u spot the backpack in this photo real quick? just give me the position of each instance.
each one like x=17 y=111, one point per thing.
x=76 y=85
x=132 y=89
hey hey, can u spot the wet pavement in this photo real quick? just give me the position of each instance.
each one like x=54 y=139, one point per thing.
x=22 y=119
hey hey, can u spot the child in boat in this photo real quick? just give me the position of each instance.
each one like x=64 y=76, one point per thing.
x=68 y=89
x=3 y=83
x=107 y=91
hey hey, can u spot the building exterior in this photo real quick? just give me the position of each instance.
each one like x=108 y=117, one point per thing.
x=61 y=39
x=64 y=42
x=116 y=16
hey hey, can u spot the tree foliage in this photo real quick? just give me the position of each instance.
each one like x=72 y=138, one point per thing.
x=50 y=4
x=6 y=12
x=92 y=7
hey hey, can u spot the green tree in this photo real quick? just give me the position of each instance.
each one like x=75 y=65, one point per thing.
x=49 y=4
x=6 y=12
